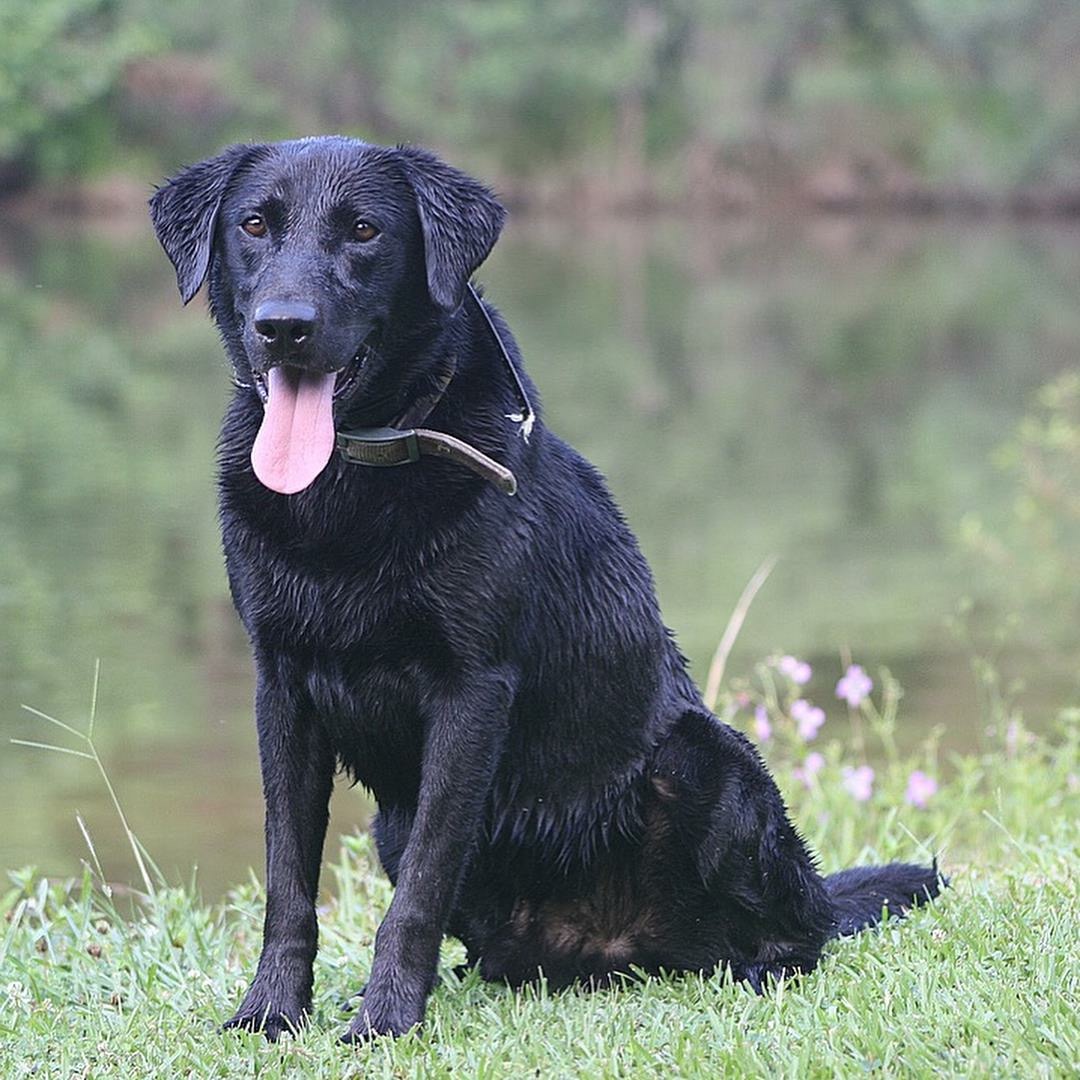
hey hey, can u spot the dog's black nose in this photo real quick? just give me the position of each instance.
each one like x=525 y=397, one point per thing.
x=285 y=327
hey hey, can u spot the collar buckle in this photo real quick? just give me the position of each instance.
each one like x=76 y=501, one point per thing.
x=382 y=447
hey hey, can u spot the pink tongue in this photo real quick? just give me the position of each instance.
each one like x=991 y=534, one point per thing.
x=296 y=438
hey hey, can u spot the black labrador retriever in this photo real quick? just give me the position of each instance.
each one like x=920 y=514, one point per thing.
x=473 y=635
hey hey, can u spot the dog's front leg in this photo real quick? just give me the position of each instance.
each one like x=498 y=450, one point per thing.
x=298 y=773
x=461 y=752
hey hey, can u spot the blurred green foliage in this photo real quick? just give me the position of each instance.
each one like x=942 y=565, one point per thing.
x=60 y=63
x=669 y=99
x=1034 y=546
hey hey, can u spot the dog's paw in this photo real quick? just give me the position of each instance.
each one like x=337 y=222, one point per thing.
x=761 y=976
x=389 y=1018
x=273 y=1019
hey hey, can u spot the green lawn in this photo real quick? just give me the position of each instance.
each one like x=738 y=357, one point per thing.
x=984 y=982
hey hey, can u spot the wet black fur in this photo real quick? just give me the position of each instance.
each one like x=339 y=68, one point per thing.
x=494 y=669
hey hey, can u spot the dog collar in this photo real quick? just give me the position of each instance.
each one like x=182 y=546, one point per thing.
x=389 y=446
x=404 y=443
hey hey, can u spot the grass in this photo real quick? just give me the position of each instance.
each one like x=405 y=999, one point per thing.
x=95 y=982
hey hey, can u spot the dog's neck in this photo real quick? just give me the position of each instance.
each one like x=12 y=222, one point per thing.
x=405 y=442
x=422 y=405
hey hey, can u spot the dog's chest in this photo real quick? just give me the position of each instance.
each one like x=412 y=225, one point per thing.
x=370 y=703
x=365 y=648
x=365 y=671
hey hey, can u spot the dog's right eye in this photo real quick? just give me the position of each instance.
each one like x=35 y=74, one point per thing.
x=254 y=225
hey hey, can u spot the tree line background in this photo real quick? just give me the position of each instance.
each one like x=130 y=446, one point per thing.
x=913 y=104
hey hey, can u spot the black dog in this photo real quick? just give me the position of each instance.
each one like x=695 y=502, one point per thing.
x=493 y=667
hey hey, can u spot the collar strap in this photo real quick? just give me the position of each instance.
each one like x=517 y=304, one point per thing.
x=526 y=417
x=386 y=447
x=422 y=407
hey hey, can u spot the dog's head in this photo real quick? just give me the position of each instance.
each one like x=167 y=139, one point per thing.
x=324 y=255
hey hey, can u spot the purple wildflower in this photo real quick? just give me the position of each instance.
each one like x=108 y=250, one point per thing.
x=762 y=726
x=858 y=782
x=806 y=772
x=1016 y=738
x=798 y=671
x=920 y=789
x=855 y=686
x=808 y=718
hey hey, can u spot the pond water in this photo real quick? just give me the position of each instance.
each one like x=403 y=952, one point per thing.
x=830 y=392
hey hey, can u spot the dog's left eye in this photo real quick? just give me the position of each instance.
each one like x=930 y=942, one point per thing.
x=364 y=231
x=255 y=225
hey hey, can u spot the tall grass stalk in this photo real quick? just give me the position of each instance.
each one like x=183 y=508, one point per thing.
x=715 y=678
x=91 y=754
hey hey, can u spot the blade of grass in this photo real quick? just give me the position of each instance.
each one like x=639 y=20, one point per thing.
x=106 y=887
x=731 y=631
x=153 y=866
x=92 y=754
x=16 y=918
x=93 y=699
x=55 y=749
x=52 y=720
x=139 y=862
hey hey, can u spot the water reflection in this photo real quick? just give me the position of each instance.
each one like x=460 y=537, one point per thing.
x=827 y=392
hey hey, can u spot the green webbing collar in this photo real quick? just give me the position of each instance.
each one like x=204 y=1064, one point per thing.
x=386 y=447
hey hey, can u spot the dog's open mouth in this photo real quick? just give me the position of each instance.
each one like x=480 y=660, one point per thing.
x=346 y=378
x=296 y=436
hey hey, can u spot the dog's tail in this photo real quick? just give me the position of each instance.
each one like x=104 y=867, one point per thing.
x=864 y=895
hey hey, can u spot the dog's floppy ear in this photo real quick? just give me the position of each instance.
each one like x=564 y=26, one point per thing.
x=461 y=220
x=184 y=210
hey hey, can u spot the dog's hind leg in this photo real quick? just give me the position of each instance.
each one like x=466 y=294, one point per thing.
x=765 y=909
x=769 y=911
